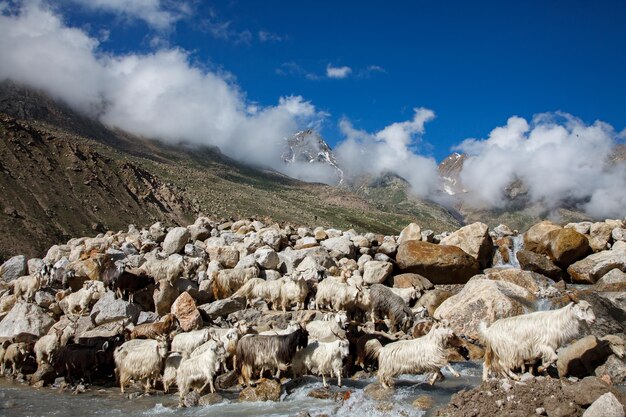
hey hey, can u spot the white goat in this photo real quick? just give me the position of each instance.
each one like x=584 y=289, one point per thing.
x=141 y=359
x=170 y=268
x=329 y=328
x=26 y=286
x=185 y=343
x=322 y=358
x=172 y=363
x=255 y=288
x=79 y=301
x=513 y=341
x=293 y=291
x=49 y=344
x=336 y=294
x=229 y=339
x=424 y=354
x=201 y=367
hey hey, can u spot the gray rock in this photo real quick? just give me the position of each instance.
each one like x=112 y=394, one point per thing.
x=534 y=262
x=343 y=246
x=270 y=275
x=43 y=298
x=13 y=268
x=593 y=267
x=175 y=240
x=410 y=232
x=164 y=296
x=222 y=308
x=34 y=265
x=615 y=368
x=129 y=249
x=25 y=318
x=607 y=405
x=267 y=258
x=614 y=280
x=376 y=272
x=108 y=308
x=147 y=317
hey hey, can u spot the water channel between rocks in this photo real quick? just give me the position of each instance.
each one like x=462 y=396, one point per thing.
x=18 y=400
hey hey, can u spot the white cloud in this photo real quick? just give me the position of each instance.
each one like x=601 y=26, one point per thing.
x=159 y=14
x=224 y=31
x=266 y=36
x=391 y=149
x=160 y=94
x=557 y=156
x=337 y=72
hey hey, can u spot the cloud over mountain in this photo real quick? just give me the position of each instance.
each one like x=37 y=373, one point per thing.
x=557 y=157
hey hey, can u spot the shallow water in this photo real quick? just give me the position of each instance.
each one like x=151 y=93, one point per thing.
x=18 y=400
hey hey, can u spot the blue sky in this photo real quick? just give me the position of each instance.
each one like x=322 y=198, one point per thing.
x=531 y=91
x=473 y=65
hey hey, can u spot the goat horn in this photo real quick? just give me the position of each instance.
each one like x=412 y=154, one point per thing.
x=574 y=298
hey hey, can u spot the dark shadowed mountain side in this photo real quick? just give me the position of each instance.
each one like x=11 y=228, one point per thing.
x=63 y=174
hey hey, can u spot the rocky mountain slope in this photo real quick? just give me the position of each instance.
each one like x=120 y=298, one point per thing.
x=309 y=147
x=63 y=173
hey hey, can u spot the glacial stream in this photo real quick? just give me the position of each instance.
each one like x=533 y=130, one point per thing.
x=17 y=400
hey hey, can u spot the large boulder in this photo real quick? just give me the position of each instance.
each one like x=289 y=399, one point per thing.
x=484 y=300
x=267 y=258
x=577 y=359
x=593 y=267
x=175 y=240
x=185 y=310
x=164 y=296
x=432 y=299
x=600 y=236
x=411 y=232
x=340 y=246
x=13 y=268
x=25 y=318
x=222 y=308
x=607 y=405
x=474 y=239
x=376 y=272
x=411 y=281
x=108 y=308
x=610 y=316
x=227 y=256
x=290 y=259
x=614 y=281
x=566 y=246
x=440 y=264
x=534 y=238
x=532 y=281
x=534 y=262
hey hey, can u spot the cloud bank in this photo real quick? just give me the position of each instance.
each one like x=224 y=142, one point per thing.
x=391 y=149
x=159 y=94
x=557 y=157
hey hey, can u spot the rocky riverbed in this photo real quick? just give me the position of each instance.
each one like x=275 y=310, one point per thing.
x=95 y=289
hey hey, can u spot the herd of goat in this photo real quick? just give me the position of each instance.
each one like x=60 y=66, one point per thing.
x=328 y=347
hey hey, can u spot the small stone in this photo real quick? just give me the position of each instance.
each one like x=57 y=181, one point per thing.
x=540 y=411
x=424 y=402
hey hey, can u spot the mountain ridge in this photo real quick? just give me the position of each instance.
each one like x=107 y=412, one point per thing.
x=94 y=165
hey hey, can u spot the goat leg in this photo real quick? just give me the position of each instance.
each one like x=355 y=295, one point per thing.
x=452 y=371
